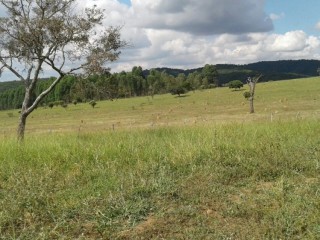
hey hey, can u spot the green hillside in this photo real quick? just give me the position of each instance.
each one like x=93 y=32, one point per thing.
x=192 y=167
x=282 y=99
x=271 y=70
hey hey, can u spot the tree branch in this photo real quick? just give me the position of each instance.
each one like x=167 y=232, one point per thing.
x=43 y=94
x=11 y=69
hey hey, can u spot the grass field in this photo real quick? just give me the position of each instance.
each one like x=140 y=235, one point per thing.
x=284 y=100
x=196 y=167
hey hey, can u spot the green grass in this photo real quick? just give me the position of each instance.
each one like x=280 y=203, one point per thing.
x=167 y=177
x=283 y=100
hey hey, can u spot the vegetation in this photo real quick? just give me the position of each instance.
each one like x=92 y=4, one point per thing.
x=252 y=82
x=110 y=86
x=170 y=168
x=36 y=33
x=235 y=84
x=247 y=95
x=178 y=91
x=93 y=103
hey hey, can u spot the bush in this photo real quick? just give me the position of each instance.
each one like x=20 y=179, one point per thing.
x=212 y=85
x=178 y=91
x=58 y=103
x=247 y=95
x=235 y=84
x=93 y=103
x=50 y=104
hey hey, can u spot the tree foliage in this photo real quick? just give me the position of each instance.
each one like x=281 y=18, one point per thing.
x=45 y=34
x=235 y=84
x=108 y=86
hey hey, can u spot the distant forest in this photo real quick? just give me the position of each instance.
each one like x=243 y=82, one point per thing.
x=141 y=82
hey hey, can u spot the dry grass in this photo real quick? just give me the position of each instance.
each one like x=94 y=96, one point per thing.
x=197 y=167
x=285 y=100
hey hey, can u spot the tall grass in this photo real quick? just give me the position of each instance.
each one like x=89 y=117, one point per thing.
x=231 y=181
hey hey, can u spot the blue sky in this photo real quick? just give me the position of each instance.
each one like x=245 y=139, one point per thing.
x=296 y=15
x=222 y=31
x=128 y=2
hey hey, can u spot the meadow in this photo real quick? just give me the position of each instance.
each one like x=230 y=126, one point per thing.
x=192 y=167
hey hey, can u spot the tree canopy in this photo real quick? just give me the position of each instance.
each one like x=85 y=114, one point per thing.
x=235 y=84
x=44 y=34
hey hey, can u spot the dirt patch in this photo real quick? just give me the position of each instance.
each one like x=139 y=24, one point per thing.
x=145 y=228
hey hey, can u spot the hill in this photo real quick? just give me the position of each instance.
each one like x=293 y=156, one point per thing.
x=141 y=82
x=193 y=167
x=272 y=70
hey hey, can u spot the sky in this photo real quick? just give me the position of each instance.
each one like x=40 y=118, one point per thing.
x=191 y=33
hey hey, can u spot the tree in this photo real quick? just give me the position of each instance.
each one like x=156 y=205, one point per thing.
x=211 y=74
x=45 y=34
x=93 y=103
x=178 y=91
x=252 y=84
x=235 y=84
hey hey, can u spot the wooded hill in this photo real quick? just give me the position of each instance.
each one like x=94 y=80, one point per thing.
x=141 y=82
x=271 y=70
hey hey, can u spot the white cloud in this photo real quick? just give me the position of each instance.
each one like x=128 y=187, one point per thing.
x=318 y=26
x=275 y=17
x=182 y=50
x=190 y=33
x=289 y=42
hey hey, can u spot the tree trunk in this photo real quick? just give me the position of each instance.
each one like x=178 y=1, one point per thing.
x=251 y=105
x=23 y=117
x=21 y=127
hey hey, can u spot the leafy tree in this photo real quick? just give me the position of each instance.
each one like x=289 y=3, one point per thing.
x=41 y=34
x=93 y=103
x=235 y=84
x=210 y=73
x=178 y=91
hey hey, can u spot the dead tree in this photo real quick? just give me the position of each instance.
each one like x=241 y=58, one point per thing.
x=252 y=84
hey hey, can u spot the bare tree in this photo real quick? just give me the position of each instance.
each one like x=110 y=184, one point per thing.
x=53 y=34
x=252 y=84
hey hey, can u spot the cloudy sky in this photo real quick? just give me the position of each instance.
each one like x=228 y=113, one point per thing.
x=191 y=33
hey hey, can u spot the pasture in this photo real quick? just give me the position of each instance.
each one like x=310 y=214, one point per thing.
x=194 y=167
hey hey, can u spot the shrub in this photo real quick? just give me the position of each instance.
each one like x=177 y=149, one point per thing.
x=50 y=104
x=247 y=95
x=178 y=91
x=235 y=84
x=93 y=103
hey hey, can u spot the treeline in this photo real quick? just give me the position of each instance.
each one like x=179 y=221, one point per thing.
x=73 y=89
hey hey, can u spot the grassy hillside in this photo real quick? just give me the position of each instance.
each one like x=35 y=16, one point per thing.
x=196 y=167
x=274 y=100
